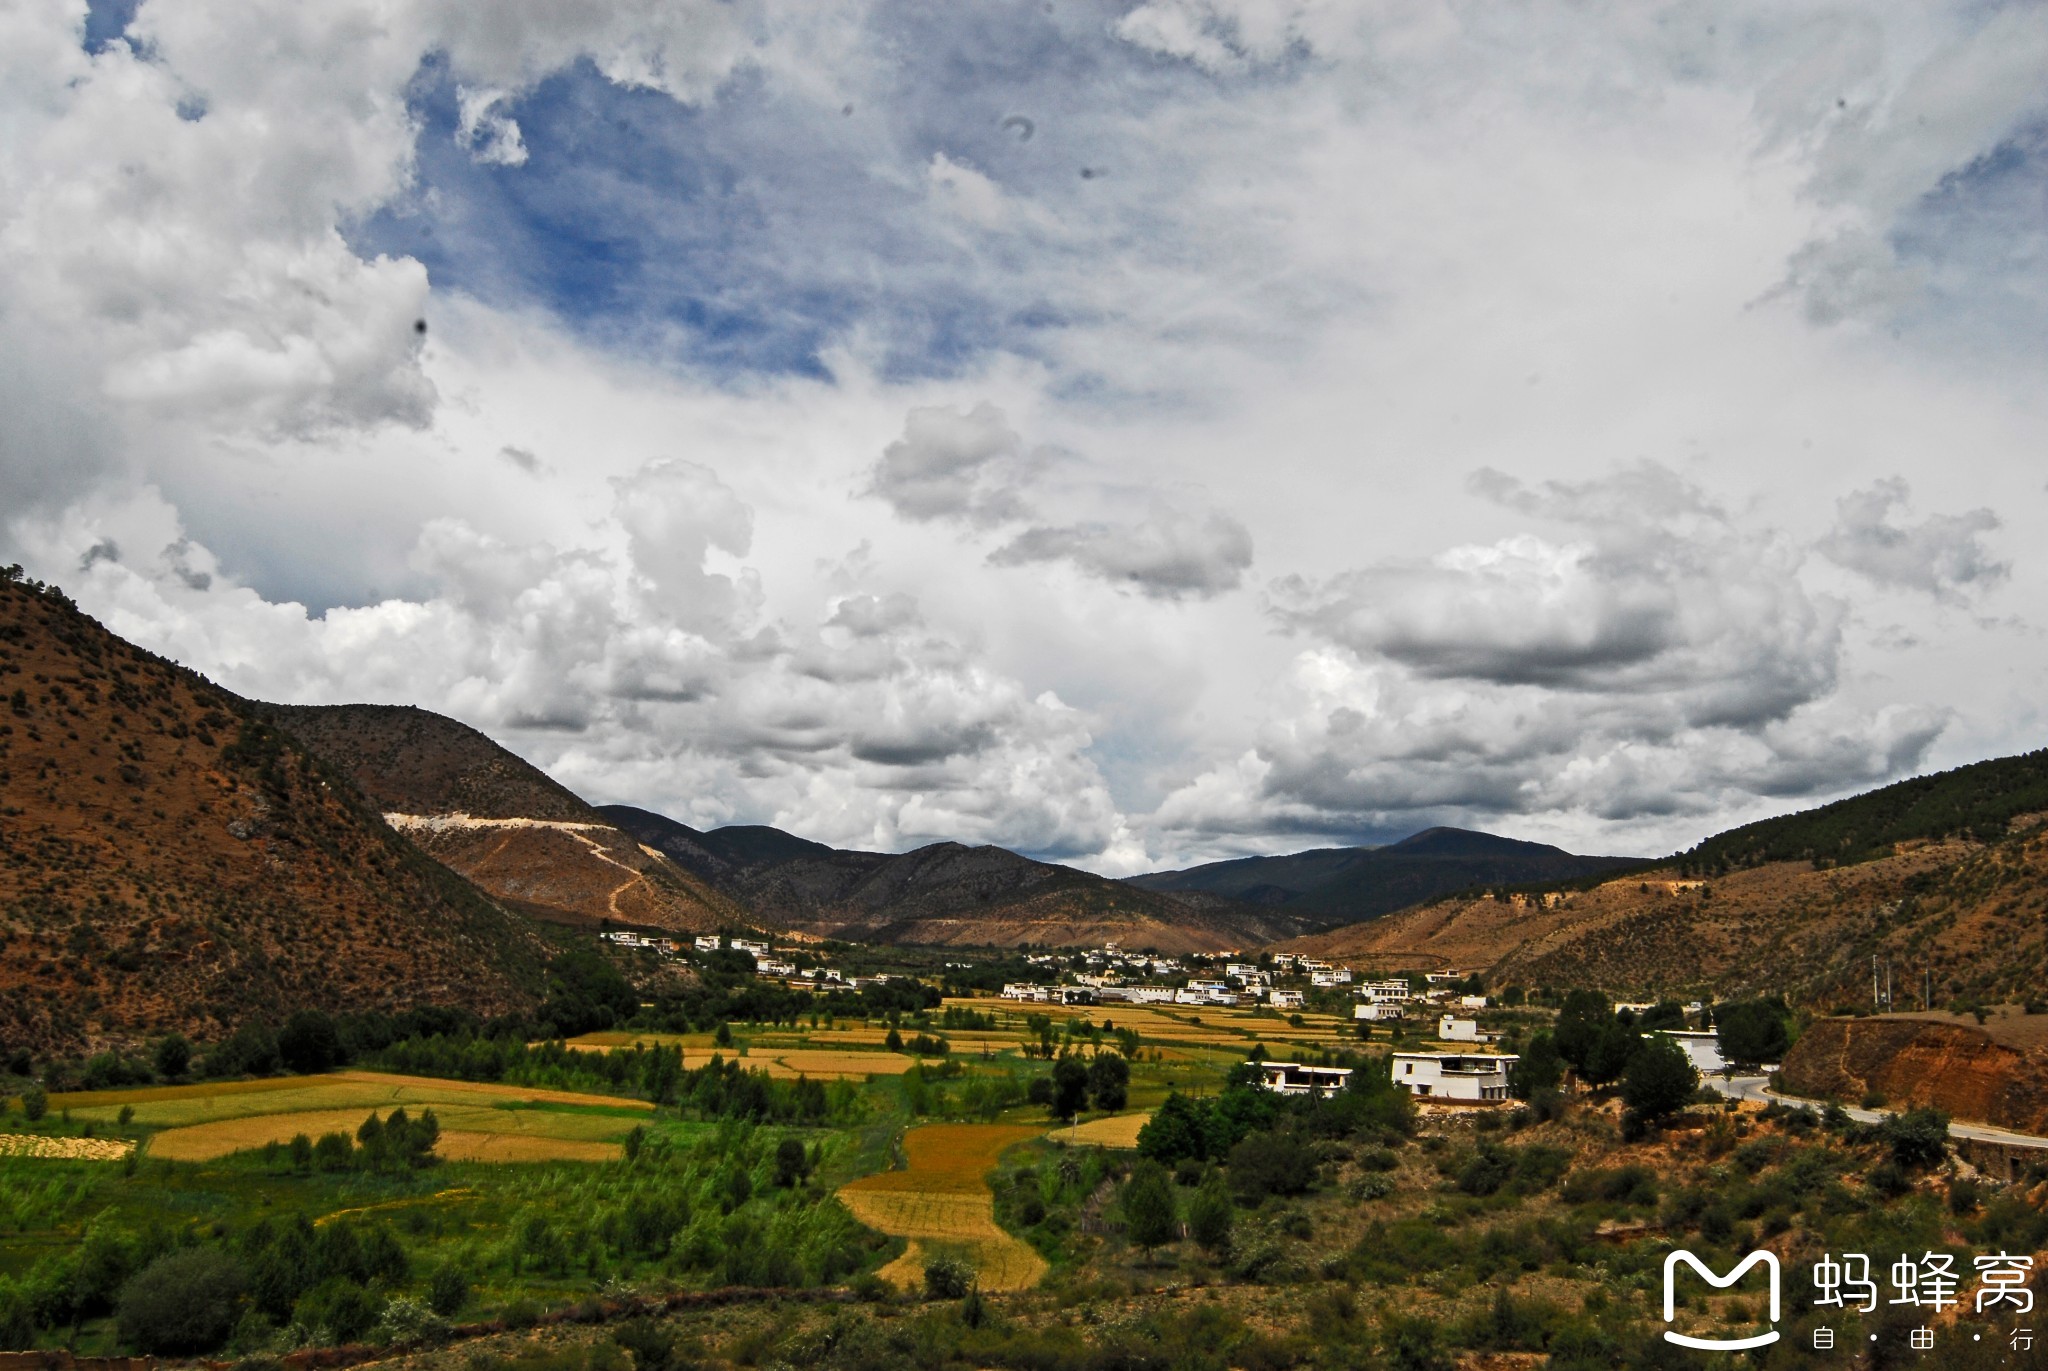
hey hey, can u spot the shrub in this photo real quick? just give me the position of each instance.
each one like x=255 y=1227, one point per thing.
x=1211 y=1216
x=35 y=1103
x=947 y=1279
x=1270 y=1164
x=448 y=1291
x=1917 y=1138
x=182 y=1303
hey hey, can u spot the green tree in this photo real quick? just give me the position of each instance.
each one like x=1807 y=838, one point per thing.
x=448 y=1291
x=183 y=1303
x=947 y=1279
x=1608 y=1053
x=792 y=1163
x=173 y=1057
x=309 y=1043
x=1659 y=1079
x=1917 y=1138
x=1176 y=1131
x=35 y=1102
x=1541 y=1068
x=894 y=1042
x=1211 y=1215
x=1069 y=1087
x=1752 y=1031
x=1109 y=1081
x=1580 y=1021
x=1150 y=1217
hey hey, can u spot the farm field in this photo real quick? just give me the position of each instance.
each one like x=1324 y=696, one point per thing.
x=824 y=1064
x=941 y=1203
x=480 y=1122
x=1114 y=1130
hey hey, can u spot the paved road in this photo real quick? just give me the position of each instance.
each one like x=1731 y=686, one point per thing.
x=1757 y=1088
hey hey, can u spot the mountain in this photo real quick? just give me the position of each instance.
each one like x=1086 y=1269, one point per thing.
x=946 y=893
x=502 y=822
x=1338 y=885
x=1943 y=879
x=171 y=860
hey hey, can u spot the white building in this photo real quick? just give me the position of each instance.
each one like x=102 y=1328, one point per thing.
x=748 y=946
x=1444 y=977
x=1452 y=1029
x=1138 y=994
x=1386 y=992
x=1340 y=975
x=708 y=943
x=1378 y=1013
x=1472 y=1002
x=1244 y=971
x=1703 y=1050
x=768 y=966
x=1284 y=999
x=1454 y=1075
x=1292 y=1078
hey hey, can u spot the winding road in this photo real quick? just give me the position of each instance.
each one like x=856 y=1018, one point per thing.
x=1757 y=1088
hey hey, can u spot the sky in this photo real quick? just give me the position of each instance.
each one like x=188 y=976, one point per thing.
x=1134 y=434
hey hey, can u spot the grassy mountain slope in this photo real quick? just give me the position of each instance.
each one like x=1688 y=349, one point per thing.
x=946 y=893
x=502 y=822
x=169 y=860
x=1959 y=915
x=1343 y=884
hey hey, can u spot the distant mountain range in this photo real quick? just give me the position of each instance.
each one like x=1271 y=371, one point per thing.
x=945 y=893
x=1338 y=885
x=1941 y=880
x=174 y=856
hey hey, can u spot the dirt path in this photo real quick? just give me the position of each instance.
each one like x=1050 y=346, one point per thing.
x=942 y=1200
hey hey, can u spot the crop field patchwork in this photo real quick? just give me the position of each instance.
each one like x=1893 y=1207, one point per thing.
x=479 y=1121
x=941 y=1202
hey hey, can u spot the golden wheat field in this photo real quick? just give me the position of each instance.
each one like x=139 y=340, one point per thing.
x=941 y=1198
x=479 y=1121
x=1118 y=1130
x=824 y=1064
x=64 y=1149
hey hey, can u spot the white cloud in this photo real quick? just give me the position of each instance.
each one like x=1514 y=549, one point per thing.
x=1943 y=555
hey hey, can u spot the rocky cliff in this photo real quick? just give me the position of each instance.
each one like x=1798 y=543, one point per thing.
x=1917 y=1062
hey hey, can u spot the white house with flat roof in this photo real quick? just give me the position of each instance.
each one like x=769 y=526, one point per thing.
x=1454 y=1075
x=1703 y=1050
x=1378 y=1012
x=1452 y=1029
x=1292 y=1078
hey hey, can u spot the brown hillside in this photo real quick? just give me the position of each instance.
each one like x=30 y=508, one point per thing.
x=958 y=896
x=1975 y=915
x=502 y=822
x=1918 y=1061
x=168 y=861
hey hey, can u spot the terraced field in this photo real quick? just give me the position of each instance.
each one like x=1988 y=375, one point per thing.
x=1114 y=1130
x=941 y=1203
x=479 y=1121
x=819 y=1064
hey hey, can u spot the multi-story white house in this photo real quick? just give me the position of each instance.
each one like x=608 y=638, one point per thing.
x=1454 y=1075
x=1336 y=975
x=748 y=946
x=707 y=942
x=1292 y=1078
x=769 y=966
x=1378 y=1012
x=1386 y=992
x=1284 y=999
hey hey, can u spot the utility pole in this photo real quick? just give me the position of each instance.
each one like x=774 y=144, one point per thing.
x=1876 y=1004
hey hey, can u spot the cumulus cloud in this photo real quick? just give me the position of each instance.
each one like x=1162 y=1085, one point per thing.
x=863 y=727
x=1171 y=555
x=1943 y=555
x=1660 y=659
x=971 y=468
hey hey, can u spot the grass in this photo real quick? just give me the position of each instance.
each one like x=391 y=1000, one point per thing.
x=941 y=1204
